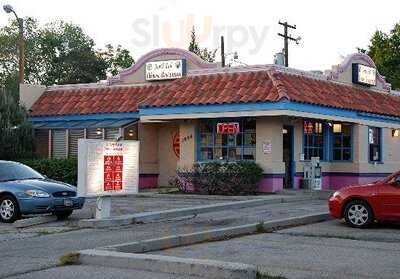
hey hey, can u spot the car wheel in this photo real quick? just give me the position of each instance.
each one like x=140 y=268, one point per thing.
x=358 y=214
x=62 y=215
x=9 y=209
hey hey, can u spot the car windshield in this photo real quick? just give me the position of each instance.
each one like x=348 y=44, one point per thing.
x=14 y=171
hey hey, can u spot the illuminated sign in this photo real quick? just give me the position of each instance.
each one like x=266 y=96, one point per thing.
x=165 y=70
x=228 y=128
x=364 y=75
x=107 y=167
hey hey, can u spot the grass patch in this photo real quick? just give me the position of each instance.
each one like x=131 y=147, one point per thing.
x=261 y=275
x=69 y=259
x=260 y=227
x=44 y=232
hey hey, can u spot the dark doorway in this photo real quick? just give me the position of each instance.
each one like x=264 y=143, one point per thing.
x=288 y=156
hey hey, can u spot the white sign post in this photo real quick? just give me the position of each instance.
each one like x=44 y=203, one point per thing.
x=105 y=169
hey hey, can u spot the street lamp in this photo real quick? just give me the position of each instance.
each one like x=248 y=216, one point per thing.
x=9 y=9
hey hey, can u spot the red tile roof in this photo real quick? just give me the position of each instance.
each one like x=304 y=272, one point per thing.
x=271 y=86
x=267 y=85
x=104 y=99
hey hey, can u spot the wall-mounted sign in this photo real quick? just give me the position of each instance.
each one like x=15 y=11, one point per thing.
x=165 y=70
x=364 y=75
x=176 y=144
x=107 y=167
x=228 y=128
x=267 y=147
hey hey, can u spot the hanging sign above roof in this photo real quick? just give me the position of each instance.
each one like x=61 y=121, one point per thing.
x=165 y=70
x=364 y=75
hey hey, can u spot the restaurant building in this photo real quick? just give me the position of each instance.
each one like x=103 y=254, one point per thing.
x=184 y=110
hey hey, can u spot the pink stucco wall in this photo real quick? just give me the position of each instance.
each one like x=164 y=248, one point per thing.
x=271 y=184
x=337 y=181
x=148 y=181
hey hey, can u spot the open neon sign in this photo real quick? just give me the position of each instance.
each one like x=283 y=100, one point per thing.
x=228 y=128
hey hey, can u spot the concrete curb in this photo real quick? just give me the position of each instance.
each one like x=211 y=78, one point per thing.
x=181 y=212
x=167 y=264
x=130 y=255
x=214 y=235
x=29 y=222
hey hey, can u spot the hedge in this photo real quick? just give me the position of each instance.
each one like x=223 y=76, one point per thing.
x=64 y=170
x=220 y=178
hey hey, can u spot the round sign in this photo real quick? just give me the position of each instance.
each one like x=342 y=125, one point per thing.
x=176 y=144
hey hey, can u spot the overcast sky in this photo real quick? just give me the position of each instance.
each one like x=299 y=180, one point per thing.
x=329 y=29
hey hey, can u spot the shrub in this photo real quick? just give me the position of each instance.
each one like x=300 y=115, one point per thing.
x=64 y=170
x=220 y=178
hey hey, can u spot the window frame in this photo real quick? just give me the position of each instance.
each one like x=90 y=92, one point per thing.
x=213 y=145
x=325 y=138
x=332 y=148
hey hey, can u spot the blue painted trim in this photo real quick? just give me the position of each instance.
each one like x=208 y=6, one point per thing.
x=293 y=162
x=282 y=105
x=95 y=116
x=325 y=139
x=333 y=142
x=214 y=133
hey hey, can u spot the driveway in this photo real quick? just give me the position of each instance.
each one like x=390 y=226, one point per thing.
x=318 y=251
x=38 y=248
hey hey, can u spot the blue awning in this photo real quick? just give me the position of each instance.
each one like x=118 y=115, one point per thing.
x=82 y=124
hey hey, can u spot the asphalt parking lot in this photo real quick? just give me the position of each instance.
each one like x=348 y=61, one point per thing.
x=37 y=249
x=323 y=250
x=318 y=251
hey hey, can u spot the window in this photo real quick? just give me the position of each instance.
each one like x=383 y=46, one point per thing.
x=111 y=133
x=73 y=136
x=314 y=133
x=94 y=133
x=217 y=145
x=375 y=144
x=341 y=142
x=59 y=144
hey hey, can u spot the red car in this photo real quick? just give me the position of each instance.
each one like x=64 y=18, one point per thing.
x=363 y=204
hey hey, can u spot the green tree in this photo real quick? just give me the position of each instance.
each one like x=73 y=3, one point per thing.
x=204 y=53
x=384 y=49
x=16 y=133
x=117 y=59
x=57 y=53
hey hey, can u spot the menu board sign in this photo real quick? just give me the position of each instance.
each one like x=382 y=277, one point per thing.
x=107 y=167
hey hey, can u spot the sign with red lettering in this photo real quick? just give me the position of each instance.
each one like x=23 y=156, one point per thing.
x=176 y=144
x=228 y=128
x=113 y=172
x=107 y=167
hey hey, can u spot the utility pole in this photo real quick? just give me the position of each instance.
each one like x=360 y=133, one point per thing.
x=286 y=38
x=222 y=52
